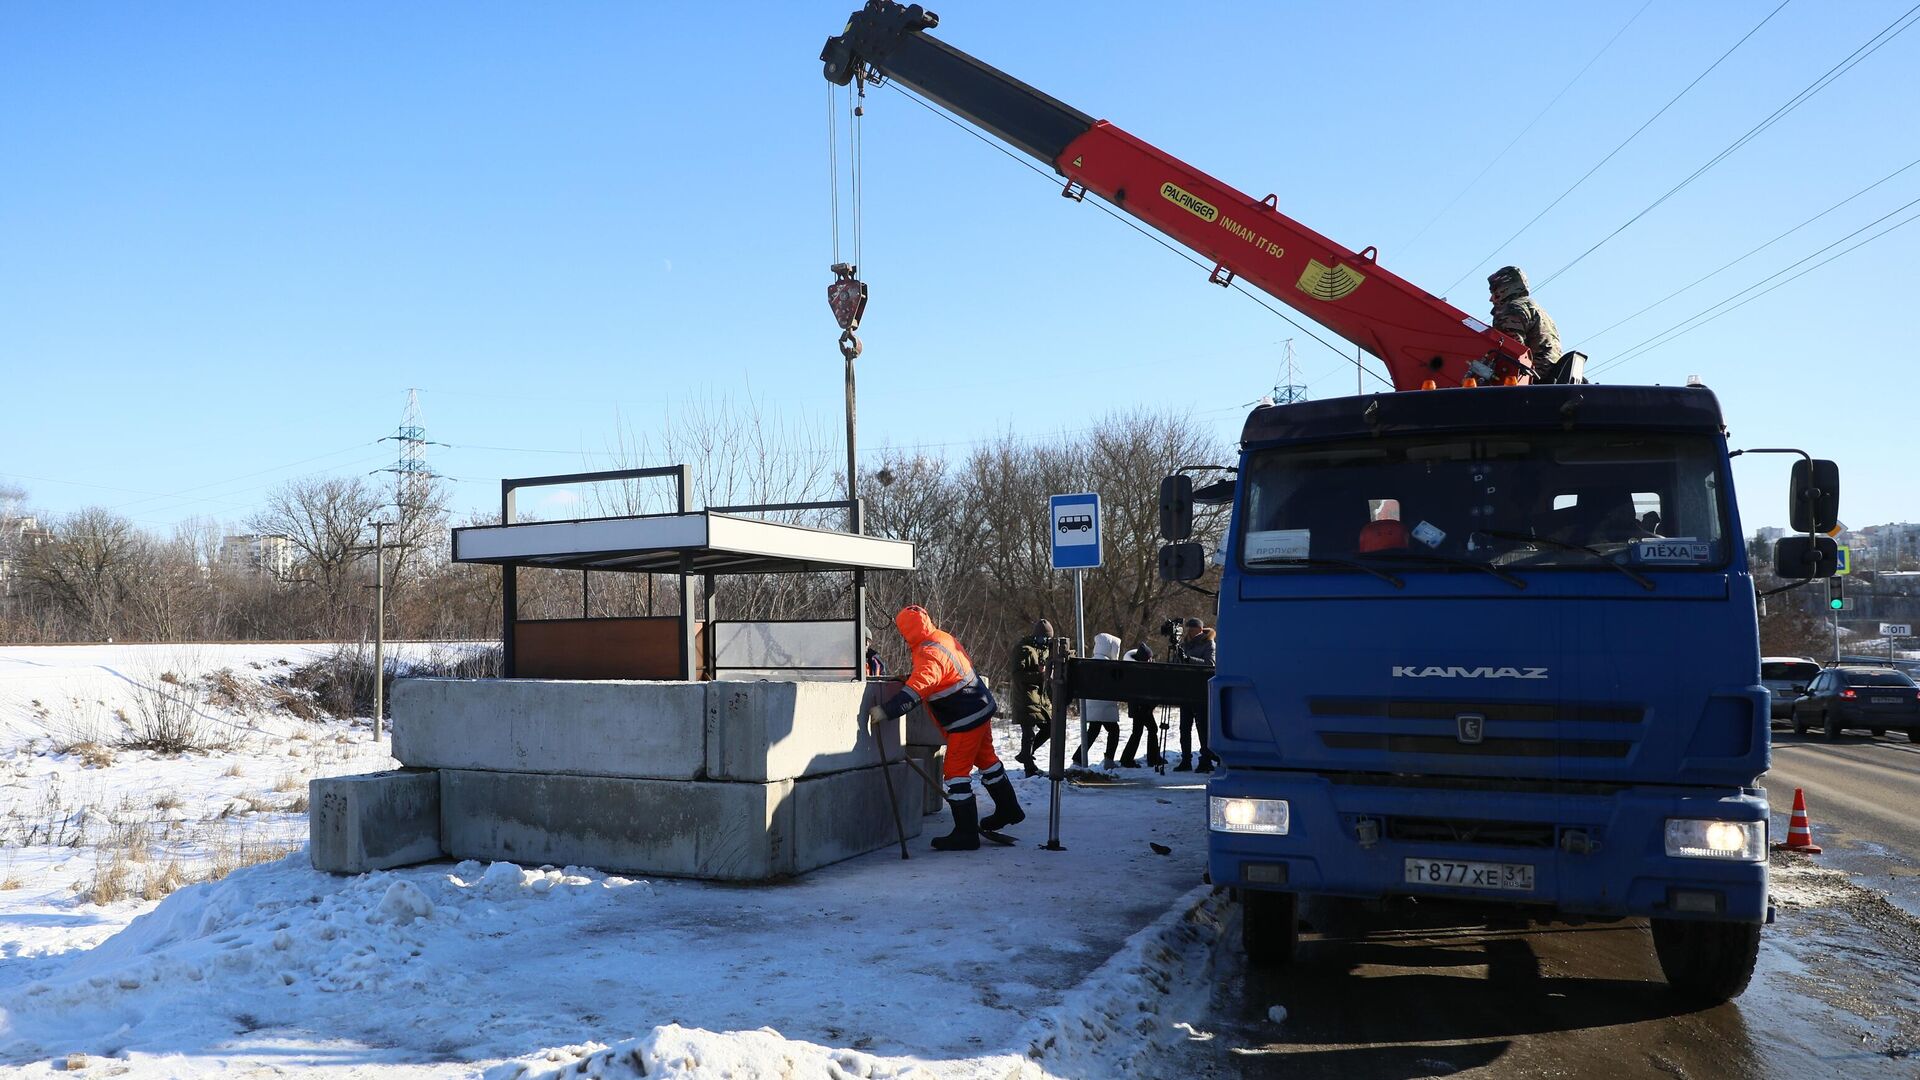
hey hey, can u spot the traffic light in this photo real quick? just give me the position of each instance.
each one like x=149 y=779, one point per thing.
x=1836 y=593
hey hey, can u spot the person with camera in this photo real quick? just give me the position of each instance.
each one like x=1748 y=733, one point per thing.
x=1032 y=698
x=1196 y=646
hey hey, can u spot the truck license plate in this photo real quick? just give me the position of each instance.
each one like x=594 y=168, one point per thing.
x=1509 y=877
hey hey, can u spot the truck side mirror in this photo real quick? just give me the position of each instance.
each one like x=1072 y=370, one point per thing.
x=1794 y=557
x=1182 y=562
x=1176 y=513
x=1813 y=498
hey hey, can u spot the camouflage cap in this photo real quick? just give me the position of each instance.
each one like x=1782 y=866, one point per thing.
x=1507 y=282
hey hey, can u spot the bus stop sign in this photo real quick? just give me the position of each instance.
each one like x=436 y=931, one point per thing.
x=1074 y=526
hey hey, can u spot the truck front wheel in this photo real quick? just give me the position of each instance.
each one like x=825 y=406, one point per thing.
x=1706 y=962
x=1269 y=927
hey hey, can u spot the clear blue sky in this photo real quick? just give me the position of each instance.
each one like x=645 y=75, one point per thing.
x=232 y=235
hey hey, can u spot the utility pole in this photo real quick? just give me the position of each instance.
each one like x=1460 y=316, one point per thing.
x=380 y=626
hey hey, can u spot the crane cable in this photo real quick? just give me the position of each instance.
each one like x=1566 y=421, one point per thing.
x=833 y=173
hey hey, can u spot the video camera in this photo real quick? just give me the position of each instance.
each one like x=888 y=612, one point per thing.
x=1174 y=630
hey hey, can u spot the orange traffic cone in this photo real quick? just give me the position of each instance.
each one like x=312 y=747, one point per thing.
x=1799 y=833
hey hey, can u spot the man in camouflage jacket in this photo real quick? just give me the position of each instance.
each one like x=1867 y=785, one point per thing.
x=1516 y=315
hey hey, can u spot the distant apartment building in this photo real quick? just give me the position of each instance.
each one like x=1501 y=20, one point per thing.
x=17 y=534
x=264 y=556
x=1889 y=546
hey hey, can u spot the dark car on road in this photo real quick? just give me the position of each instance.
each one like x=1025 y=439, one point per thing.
x=1786 y=677
x=1876 y=699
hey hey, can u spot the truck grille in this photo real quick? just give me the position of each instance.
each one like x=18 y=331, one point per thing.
x=1448 y=744
x=1459 y=831
x=1607 y=731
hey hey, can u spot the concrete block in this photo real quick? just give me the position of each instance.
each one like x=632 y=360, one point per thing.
x=930 y=759
x=654 y=730
x=921 y=730
x=764 y=731
x=676 y=828
x=839 y=816
x=376 y=821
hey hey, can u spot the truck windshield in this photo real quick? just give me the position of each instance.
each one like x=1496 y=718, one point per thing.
x=1519 y=500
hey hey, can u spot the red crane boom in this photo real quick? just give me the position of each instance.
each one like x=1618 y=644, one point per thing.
x=1418 y=336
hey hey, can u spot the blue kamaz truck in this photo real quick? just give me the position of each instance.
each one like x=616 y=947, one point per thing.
x=1489 y=635
x=1497 y=645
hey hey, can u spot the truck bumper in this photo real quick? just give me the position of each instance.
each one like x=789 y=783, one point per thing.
x=1597 y=855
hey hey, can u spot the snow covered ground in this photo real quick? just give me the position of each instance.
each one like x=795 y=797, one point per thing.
x=1003 y=962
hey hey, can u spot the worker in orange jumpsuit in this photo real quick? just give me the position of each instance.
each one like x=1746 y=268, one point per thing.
x=944 y=681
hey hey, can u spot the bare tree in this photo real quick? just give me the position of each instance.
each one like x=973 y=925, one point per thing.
x=88 y=566
x=325 y=518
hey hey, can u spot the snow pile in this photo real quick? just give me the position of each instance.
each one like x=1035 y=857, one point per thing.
x=1133 y=1016
x=270 y=944
x=676 y=1053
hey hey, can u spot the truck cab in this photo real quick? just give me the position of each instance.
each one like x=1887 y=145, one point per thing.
x=1495 y=644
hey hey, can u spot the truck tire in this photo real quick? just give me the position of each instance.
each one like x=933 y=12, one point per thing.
x=1706 y=962
x=1269 y=927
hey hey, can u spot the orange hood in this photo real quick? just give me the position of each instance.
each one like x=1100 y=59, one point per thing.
x=914 y=624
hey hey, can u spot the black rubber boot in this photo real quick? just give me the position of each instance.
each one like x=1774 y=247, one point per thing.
x=966 y=827
x=1006 y=806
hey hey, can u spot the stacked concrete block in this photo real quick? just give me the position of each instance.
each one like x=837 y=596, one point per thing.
x=373 y=822
x=736 y=781
x=923 y=744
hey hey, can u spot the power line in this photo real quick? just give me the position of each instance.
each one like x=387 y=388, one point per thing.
x=1511 y=143
x=1501 y=246
x=1702 y=318
x=1873 y=44
x=1132 y=224
x=1596 y=335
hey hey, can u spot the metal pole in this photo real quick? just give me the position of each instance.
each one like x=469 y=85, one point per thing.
x=854 y=516
x=1836 y=621
x=1080 y=645
x=886 y=773
x=1057 y=748
x=379 y=627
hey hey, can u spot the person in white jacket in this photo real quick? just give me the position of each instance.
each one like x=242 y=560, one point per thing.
x=1100 y=716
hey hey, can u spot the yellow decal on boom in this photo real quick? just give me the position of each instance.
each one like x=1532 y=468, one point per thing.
x=1329 y=283
x=1188 y=201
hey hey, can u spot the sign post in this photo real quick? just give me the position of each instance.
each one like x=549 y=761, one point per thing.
x=1073 y=529
x=1891 y=630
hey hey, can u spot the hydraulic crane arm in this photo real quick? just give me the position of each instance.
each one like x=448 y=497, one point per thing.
x=1418 y=336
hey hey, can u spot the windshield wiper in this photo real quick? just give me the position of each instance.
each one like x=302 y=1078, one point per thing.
x=1438 y=559
x=1502 y=534
x=1344 y=564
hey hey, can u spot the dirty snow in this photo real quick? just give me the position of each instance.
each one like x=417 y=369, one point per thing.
x=1004 y=962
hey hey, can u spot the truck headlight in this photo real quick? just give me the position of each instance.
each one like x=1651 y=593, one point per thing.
x=1269 y=816
x=1738 y=841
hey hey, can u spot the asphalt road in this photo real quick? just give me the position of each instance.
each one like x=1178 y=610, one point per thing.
x=1403 y=990
x=1863 y=796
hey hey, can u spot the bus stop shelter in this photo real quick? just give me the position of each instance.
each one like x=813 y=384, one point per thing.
x=688 y=544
